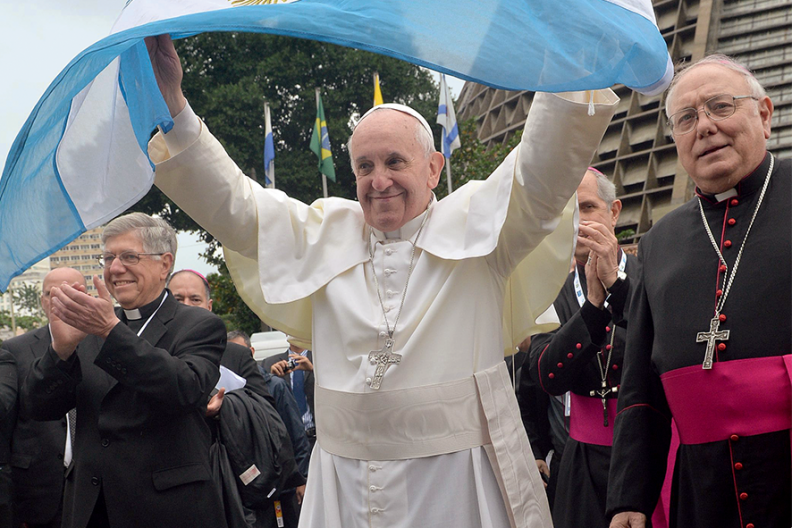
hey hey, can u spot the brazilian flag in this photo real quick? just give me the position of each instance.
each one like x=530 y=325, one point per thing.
x=320 y=142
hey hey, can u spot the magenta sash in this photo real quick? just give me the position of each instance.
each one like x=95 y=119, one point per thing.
x=743 y=397
x=586 y=419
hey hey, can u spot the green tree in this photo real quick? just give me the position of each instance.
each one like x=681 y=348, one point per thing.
x=27 y=299
x=229 y=306
x=474 y=160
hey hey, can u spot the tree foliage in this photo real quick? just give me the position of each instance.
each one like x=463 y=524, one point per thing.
x=474 y=160
x=27 y=298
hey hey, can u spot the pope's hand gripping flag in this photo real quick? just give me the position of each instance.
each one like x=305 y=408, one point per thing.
x=81 y=158
x=320 y=142
x=447 y=119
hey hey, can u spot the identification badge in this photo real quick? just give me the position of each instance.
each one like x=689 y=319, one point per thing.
x=278 y=513
x=249 y=475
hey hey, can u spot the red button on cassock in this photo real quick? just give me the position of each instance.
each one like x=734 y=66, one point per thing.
x=578 y=346
x=722 y=317
x=743 y=496
x=570 y=355
x=721 y=346
x=607 y=328
x=615 y=367
x=732 y=221
x=749 y=525
x=551 y=375
x=608 y=347
x=735 y=201
x=560 y=365
x=738 y=466
x=727 y=244
x=734 y=437
x=718 y=293
x=722 y=268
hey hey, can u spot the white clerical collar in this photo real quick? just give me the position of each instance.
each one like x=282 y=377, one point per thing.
x=133 y=315
x=726 y=194
x=407 y=231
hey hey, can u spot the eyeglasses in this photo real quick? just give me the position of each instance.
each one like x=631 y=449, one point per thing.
x=717 y=108
x=127 y=258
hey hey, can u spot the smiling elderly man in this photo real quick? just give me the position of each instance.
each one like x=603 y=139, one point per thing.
x=710 y=325
x=140 y=377
x=401 y=299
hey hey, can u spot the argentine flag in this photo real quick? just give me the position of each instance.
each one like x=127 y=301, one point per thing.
x=80 y=158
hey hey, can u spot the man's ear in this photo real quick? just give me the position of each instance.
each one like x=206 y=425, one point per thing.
x=436 y=162
x=766 y=113
x=616 y=208
x=166 y=259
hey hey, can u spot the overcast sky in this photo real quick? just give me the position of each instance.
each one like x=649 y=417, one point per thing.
x=38 y=38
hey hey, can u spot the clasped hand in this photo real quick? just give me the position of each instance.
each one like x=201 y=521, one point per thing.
x=75 y=314
x=602 y=267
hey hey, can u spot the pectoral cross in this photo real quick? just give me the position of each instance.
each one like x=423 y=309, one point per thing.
x=710 y=337
x=603 y=394
x=383 y=358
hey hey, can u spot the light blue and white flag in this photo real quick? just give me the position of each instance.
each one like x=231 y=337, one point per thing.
x=269 y=149
x=446 y=118
x=80 y=159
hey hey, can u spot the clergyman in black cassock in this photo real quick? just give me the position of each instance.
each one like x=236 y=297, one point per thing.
x=584 y=356
x=733 y=465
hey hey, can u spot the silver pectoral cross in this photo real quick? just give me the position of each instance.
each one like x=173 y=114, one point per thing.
x=710 y=337
x=603 y=395
x=383 y=358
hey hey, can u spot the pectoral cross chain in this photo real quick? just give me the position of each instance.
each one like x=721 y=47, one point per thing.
x=383 y=358
x=603 y=395
x=710 y=337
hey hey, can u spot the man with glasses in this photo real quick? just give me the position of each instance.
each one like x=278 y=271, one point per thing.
x=710 y=325
x=139 y=377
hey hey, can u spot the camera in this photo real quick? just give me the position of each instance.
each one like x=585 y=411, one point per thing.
x=291 y=364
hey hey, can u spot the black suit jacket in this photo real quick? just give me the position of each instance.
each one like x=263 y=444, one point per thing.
x=239 y=360
x=36 y=447
x=308 y=387
x=141 y=436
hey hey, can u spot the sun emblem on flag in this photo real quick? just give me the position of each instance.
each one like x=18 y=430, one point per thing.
x=261 y=2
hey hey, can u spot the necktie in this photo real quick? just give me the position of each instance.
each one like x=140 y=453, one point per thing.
x=298 y=384
x=72 y=419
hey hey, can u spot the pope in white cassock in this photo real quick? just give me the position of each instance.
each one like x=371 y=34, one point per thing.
x=401 y=298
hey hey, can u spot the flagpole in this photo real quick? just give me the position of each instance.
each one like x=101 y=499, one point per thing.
x=448 y=175
x=266 y=169
x=324 y=178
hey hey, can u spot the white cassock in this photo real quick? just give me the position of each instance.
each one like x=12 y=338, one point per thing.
x=441 y=442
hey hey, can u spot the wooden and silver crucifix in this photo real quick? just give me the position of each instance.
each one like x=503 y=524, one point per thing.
x=710 y=337
x=383 y=358
x=603 y=393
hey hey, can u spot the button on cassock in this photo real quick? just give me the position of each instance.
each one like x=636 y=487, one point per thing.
x=727 y=244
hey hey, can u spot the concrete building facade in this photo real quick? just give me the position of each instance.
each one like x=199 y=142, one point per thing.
x=637 y=151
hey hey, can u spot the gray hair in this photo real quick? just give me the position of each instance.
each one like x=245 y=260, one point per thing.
x=422 y=136
x=606 y=189
x=156 y=234
x=757 y=90
x=233 y=334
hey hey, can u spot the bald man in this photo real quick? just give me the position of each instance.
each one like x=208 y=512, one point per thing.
x=41 y=451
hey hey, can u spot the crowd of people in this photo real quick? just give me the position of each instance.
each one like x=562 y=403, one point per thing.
x=663 y=397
